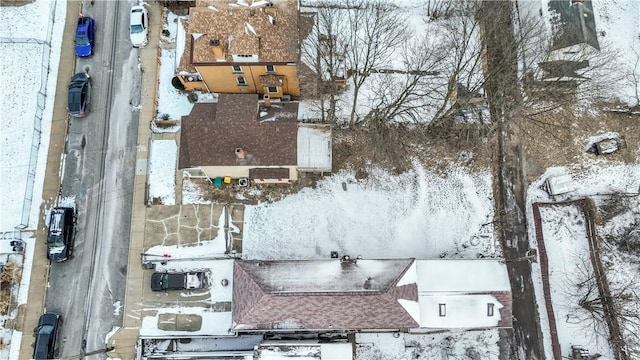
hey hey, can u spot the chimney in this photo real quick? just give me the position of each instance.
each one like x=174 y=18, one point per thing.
x=368 y=283
x=267 y=101
x=270 y=9
x=240 y=153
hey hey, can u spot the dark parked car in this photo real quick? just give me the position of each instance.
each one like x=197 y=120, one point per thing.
x=85 y=36
x=177 y=281
x=79 y=94
x=61 y=234
x=46 y=335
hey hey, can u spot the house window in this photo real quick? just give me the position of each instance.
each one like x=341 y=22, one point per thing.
x=272 y=89
x=270 y=68
x=490 y=307
x=442 y=309
x=237 y=68
x=241 y=80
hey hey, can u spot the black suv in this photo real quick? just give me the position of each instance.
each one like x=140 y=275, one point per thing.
x=61 y=234
x=46 y=335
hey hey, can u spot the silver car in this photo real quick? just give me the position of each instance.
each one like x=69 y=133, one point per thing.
x=139 y=26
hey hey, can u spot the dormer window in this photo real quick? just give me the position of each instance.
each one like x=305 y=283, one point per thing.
x=490 y=307
x=237 y=68
x=442 y=309
x=270 y=68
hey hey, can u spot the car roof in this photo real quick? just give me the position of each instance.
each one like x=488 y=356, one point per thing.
x=48 y=319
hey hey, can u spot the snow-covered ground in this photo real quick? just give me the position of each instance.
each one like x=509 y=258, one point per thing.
x=29 y=56
x=567 y=248
x=417 y=214
x=22 y=100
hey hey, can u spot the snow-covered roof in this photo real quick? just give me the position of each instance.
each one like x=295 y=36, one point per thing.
x=462 y=276
x=321 y=294
x=370 y=294
x=462 y=294
x=314 y=147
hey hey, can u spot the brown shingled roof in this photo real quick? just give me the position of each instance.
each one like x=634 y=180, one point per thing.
x=211 y=133
x=269 y=173
x=273 y=43
x=321 y=294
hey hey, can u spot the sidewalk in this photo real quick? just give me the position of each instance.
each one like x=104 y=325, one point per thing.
x=29 y=313
x=125 y=339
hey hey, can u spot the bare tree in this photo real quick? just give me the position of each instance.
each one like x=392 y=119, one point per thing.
x=321 y=52
x=633 y=76
x=588 y=305
x=403 y=94
x=375 y=30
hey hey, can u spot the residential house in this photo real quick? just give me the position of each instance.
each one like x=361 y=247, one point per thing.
x=240 y=137
x=288 y=308
x=376 y=295
x=250 y=46
x=574 y=41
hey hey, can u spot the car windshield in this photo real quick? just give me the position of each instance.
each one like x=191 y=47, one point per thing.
x=136 y=29
x=45 y=329
x=82 y=39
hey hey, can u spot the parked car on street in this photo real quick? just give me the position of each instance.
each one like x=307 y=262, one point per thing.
x=60 y=238
x=177 y=281
x=79 y=95
x=46 y=336
x=139 y=26
x=85 y=36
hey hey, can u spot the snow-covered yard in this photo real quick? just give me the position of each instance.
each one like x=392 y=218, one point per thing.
x=25 y=121
x=420 y=213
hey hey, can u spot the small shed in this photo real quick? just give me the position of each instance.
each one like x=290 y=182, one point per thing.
x=561 y=184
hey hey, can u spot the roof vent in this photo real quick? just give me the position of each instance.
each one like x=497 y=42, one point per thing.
x=368 y=283
x=214 y=42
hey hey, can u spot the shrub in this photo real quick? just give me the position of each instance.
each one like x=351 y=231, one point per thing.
x=177 y=83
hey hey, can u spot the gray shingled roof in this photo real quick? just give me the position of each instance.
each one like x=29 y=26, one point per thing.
x=321 y=294
x=577 y=24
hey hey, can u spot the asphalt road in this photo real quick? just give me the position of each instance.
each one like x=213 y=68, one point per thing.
x=88 y=290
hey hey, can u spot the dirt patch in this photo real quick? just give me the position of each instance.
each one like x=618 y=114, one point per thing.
x=252 y=194
x=10 y=275
x=15 y=2
x=558 y=138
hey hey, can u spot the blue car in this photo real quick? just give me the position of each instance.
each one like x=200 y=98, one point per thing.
x=85 y=35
